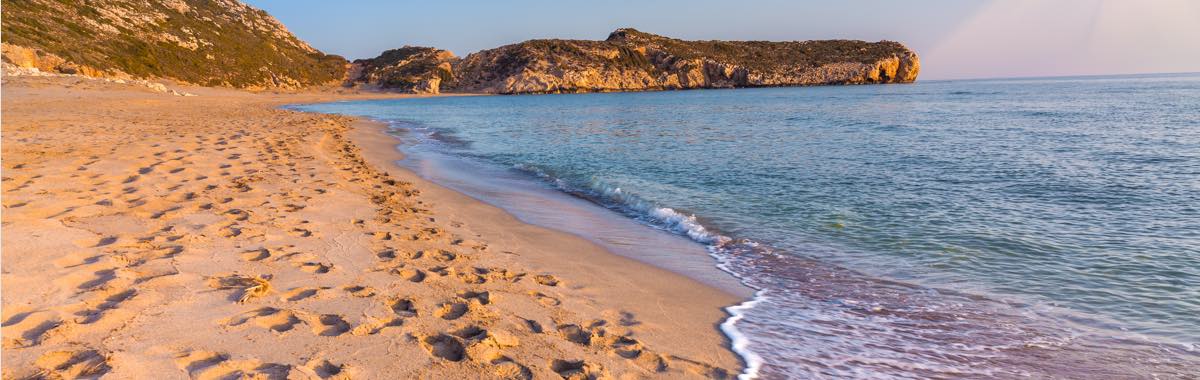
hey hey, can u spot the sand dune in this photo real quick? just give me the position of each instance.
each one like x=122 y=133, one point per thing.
x=209 y=237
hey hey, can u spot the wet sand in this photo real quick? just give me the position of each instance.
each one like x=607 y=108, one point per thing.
x=147 y=235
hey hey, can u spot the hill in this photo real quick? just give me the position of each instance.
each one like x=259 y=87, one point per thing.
x=630 y=60
x=211 y=43
x=409 y=69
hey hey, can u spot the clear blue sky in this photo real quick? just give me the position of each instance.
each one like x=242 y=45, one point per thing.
x=955 y=38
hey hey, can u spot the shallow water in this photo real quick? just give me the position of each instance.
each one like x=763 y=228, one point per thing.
x=1002 y=228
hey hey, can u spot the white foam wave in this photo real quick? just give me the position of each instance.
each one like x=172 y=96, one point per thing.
x=680 y=223
x=738 y=341
x=687 y=225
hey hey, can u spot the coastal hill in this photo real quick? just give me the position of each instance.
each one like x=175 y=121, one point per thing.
x=410 y=69
x=630 y=60
x=224 y=43
x=210 y=43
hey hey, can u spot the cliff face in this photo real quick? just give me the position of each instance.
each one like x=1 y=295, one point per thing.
x=213 y=43
x=630 y=60
x=421 y=70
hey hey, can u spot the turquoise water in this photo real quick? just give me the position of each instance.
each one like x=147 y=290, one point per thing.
x=1001 y=228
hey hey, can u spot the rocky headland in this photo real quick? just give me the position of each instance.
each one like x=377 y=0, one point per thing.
x=630 y=60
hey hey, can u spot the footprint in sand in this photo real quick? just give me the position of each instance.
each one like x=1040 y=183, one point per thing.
x=570 y=369
x=327 y=370
x=303 y=293
x=256 y=254
x=73 y=364
x=276 y=320
x=386 y=255
x=228 y=230
x=291 y=207
x=575 y=334
x=654 y=362
x=300 y=232
x=623 y=346
x=532 y=325
x=29 y=328
x=471 y=333
x=445 y=347
x=545 y=279
x=109 y=302
x=410 y=274
x=360 y=291
x=452 y=310
x=545 y=299
x=238 y=215
x=505 y=275
x=472 y=276
x=208 y=365
x=440 y=270
x=376 y=325
x=443 y=256
x=315 y=267
x=403 y=307
x=102 y=277
x=329 y=325
x=505 y=368
x=482 y=298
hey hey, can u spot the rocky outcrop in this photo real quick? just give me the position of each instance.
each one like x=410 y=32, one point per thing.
x=26 y=58
x=630 y=60
x=227 y=43
x=213 y=43
x=420 y=70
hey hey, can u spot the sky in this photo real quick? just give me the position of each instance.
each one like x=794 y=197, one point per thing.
x=955 y=39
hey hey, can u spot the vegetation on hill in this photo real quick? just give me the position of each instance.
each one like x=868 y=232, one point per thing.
x=212 y=43
x=227 y=43
x=410 y=68
x=630 y=60
x=765 y=55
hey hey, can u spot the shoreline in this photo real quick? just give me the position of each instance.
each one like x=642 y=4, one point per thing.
x=713 y=275
x=149 y=219
x=429 y=148
x=380 y=149
x=697 y=263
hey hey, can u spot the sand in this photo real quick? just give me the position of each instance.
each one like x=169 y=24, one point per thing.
x=147 y=235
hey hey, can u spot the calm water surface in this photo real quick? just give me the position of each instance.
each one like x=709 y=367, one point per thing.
x=1001 y=228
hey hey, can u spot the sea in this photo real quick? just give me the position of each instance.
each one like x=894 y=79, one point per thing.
x=1003 y=228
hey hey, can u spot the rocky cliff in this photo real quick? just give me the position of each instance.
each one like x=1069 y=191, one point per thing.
x=630 y=60
x=212 y=43
x=421 y=70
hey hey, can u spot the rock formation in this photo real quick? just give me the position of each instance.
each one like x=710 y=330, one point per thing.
x=227 y=43
x=212 y=43
x=630 y=60
x=421 y=70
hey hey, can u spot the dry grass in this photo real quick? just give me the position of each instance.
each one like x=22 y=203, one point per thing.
x=251 y=286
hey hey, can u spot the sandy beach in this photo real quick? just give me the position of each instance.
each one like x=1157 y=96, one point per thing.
x=147 y=235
